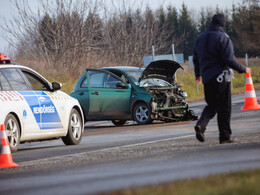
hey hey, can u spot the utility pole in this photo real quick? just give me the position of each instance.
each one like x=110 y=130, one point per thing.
x=153 y=54
x=246 y=59
x=174 y=59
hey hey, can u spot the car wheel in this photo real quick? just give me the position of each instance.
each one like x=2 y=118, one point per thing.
x=12 y=132
x=142 y=113
x=74 y=134
x=119 y=122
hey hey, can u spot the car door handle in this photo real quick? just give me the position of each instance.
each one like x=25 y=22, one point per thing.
x=81 y=93
x=41 y=98
x=95 y=93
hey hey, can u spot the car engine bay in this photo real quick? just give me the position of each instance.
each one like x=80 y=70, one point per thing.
x=169 y=104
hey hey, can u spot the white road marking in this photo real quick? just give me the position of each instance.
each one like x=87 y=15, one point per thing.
x=40 y=161
x=143 y=143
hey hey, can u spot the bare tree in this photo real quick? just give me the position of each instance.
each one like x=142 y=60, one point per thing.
x=130 y=34
x=61 y=33
x=71 y=35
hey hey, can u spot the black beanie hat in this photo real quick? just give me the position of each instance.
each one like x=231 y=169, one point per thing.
x=219 y=19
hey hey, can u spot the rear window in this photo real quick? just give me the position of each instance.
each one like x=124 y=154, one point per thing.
x=15 y=80
x=4 y=83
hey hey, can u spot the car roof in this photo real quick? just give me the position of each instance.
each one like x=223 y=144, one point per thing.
x=14 y=65
x=124 y=68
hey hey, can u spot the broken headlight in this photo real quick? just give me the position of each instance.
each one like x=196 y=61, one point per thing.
x=184 y=94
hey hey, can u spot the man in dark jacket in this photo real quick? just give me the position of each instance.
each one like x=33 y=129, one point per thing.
x=213 y=58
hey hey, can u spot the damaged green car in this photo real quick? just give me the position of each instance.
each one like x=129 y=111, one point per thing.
x=131 y=93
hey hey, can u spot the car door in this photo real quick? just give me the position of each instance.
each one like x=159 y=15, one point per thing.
x=81 y=93
x=109 y=96
x=46 y=113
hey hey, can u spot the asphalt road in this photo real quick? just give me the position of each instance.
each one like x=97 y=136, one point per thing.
x=111 y=158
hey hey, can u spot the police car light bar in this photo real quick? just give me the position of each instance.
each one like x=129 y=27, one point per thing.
x=4 y=59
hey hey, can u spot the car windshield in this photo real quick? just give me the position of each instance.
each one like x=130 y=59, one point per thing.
x=154 y=82
x=134 y=75
x=150 y=82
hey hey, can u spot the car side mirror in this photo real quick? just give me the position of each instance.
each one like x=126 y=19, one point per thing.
x=56 y=86
x=121 y=85
x=179 y=85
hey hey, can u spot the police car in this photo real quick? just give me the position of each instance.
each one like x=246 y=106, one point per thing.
x=32 y=109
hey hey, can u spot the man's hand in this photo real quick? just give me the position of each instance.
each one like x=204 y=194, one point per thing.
x=198 y=80
x=248 y=70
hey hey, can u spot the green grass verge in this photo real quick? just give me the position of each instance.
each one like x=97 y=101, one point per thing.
x=239 y=183
x=186 y=77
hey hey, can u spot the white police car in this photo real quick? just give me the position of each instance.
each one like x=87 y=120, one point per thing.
x=32 y=109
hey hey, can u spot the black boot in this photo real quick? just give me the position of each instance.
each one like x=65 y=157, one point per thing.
x=199 y=133
x=227 y=141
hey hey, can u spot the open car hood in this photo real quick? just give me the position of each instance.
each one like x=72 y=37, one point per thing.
x=161 y=69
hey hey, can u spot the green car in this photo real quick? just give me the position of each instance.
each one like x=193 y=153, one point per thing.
x=130 y=93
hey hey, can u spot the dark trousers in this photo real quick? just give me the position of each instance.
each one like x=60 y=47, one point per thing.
x=218 y=99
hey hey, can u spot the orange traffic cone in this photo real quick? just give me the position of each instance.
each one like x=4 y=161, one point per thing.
x=250 y=97
x=6 y=159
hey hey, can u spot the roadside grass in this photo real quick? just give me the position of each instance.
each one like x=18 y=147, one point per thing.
x=186 y=77
x=238 y=183
x=68 y=82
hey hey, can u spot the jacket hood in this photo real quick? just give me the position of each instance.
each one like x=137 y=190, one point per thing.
x=161 y=69
x=218 y=20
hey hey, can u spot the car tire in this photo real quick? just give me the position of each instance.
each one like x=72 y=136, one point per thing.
x=119 y=123
x=142 y=114
x=74 y=134
x=13 y=132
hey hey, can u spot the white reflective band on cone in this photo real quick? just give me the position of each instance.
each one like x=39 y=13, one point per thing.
x=250 y=94
x=249 y=80
x=3 y=135
x=6 y=150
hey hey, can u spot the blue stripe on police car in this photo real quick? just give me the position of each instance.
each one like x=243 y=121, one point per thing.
x=43 y=109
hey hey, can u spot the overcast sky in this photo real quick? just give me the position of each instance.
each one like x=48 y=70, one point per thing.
x=7 y=11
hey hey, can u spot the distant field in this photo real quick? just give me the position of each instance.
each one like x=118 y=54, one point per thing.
x=239 y=183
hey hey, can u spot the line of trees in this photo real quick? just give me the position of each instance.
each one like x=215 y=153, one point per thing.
x=70 y=35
